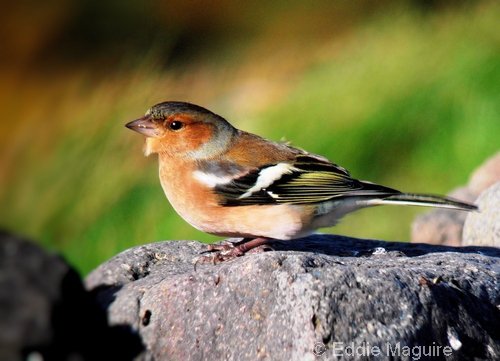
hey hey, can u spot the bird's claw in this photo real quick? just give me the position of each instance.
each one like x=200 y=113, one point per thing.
x=226 y=251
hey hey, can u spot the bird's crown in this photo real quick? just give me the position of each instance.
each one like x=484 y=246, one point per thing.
x=163 y=110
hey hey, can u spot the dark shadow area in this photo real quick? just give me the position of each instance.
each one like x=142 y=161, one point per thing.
x=333 y=245
x=459 y=317
x=46 y=311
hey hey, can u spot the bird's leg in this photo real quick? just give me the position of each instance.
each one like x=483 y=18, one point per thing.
x=245 y=245
x=229 y=250
x=252 y=245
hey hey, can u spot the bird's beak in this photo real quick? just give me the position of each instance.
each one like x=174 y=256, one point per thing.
x=143 y=125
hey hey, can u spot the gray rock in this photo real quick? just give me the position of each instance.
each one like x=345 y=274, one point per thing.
x=322 y=295
x=483 y=228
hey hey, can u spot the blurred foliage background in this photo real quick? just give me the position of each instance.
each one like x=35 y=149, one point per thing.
x=403 y=93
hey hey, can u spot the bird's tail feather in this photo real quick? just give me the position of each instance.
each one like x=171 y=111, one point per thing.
x=427 y=201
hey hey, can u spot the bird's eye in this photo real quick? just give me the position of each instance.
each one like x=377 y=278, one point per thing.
x=176 y=125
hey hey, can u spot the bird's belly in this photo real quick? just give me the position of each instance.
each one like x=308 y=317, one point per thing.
x=270 y=221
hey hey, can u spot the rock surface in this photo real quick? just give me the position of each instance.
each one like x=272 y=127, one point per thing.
x=46 y=314
x=483 y=228
x=315 y=298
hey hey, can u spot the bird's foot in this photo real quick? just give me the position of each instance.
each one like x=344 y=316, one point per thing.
x=228 y=250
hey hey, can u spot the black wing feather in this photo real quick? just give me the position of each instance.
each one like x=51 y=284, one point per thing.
x=311 y=180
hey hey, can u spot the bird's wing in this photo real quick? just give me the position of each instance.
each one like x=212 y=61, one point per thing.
x=308 y=179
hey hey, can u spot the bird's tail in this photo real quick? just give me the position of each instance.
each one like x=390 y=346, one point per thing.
x=427 y=201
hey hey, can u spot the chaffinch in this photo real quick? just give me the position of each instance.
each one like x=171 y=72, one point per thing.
x=231 y=183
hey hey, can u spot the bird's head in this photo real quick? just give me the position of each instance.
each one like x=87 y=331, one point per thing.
x=183 y=129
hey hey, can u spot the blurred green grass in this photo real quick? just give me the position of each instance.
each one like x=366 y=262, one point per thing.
x=405 y=99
